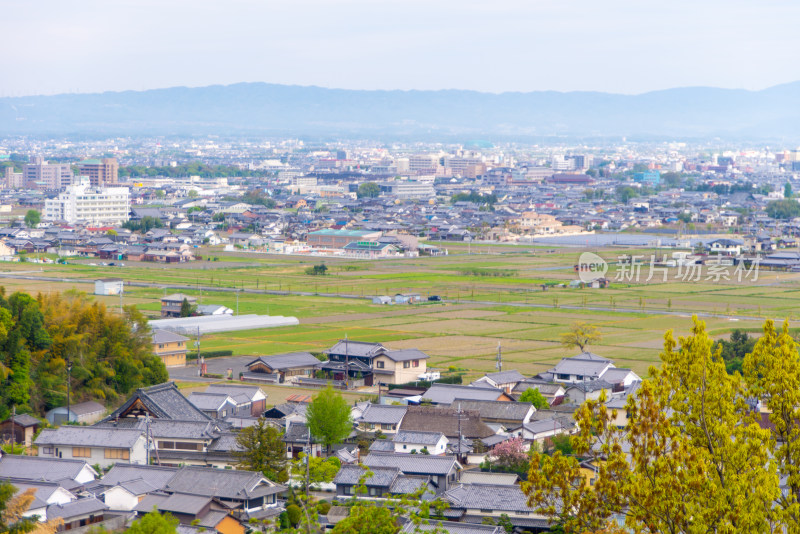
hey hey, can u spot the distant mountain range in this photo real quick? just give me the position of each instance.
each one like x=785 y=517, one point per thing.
x=285 y=110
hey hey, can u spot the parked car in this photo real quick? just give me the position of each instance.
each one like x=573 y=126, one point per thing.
x=434 y=298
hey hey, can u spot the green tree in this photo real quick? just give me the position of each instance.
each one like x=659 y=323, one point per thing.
x=734 y=350
x=787 y=190
x=293 y=513
x=319 y=469
x=581 y=335
x=692 y=457
x=625 y=193
x=369 y=190
x=32 y=218
x=787 y=208
x=317 y=270
x=534 y=396
x=154 y=523
x=328 y=417
x=187 y=310
x=772 y=372
x=192 y=193
x=263 y=450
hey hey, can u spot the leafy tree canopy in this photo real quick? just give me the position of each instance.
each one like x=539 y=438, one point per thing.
x=111 y=354
x=535 y=397
x=328 y=417
x=263 y=450
x=692 y=457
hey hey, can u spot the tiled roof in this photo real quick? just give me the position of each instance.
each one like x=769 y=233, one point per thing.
x=473 y=476
x=165 y=336
x=381 y=413
x=381 y=476
x=514 y=411
x=447 y=393
x=287 y=361
x=89 y=436
x=412 y=463
x=209 y=401
x=36 y=468
x=452 y=527
x=445 y=420
x=226 y=484
x=417 y=437
x=163 y=401
x=488 y=496
x=81 y=507
x=156 y=476
x=505 y=377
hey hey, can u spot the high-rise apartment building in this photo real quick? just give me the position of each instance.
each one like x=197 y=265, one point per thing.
x=38 y=174
x=101 y=172
x=85 y=204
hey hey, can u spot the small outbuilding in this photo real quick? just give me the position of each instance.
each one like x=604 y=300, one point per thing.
x=108 y=286
x=84 y=412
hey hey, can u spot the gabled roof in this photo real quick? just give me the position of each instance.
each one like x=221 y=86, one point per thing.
x=89 y=436
x=445 y=420
x=156 y=476
x=382 y=413
x=165 y=336
x=223 y=483
x=356 y=348
x=505 y=377
x=162 y=401
x=210 y=401
x=381 y=476
x=447 y=393
x=76 y=509
x=38 y=468
x=417 y=437
x=498 y=410
x=287 y=361
x=584 y=364
x=240 y=393
x=488 y=496
x=413 y=463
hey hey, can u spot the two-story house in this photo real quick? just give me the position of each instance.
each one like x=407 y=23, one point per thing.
x=100 y=446
x=374 y=363
x=170 y=347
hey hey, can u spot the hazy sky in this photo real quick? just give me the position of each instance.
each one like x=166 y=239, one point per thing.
x=625 y=46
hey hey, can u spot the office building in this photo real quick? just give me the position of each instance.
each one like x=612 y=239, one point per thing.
x=85 y=204
x=101 y=172
x=38 y=174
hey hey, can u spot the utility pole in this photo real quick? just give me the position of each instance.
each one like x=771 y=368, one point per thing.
x=346 y=364
x=237 y=302
x=459 y=413
x=499 y=364
x=69 y=376
x=13 y=428
x=121 y=292
x=147 y=437
x=197 y=344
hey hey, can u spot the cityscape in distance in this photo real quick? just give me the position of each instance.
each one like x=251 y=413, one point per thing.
x=399 y=267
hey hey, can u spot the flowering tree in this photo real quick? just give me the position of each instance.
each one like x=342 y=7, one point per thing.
x=510 y=454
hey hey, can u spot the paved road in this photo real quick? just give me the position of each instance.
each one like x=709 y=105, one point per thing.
x=217 y=366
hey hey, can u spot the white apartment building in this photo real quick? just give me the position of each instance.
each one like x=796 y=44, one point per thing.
x=95 y=205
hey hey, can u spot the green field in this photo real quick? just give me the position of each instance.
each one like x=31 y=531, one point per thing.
x=493 y=298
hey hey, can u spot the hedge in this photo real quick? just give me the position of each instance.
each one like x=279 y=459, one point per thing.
x=210 y=354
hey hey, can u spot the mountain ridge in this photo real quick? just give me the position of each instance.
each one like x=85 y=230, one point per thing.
x=260 y=108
